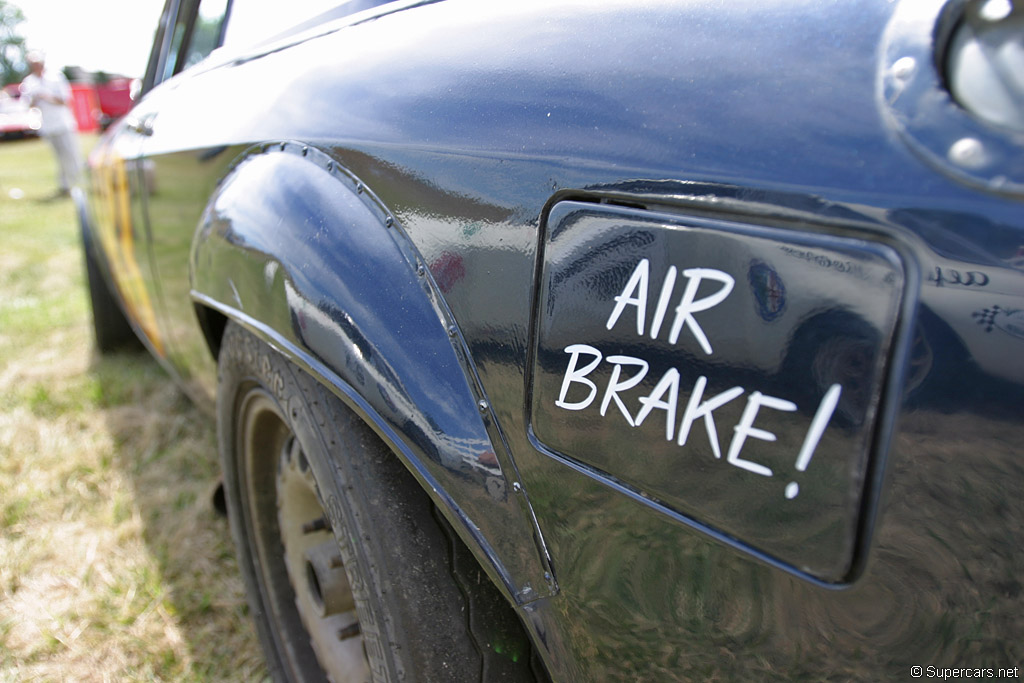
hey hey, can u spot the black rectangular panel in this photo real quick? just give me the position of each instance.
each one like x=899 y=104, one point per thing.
x=727 y=372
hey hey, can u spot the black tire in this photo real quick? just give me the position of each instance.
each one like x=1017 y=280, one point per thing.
x=399 y=606
x=111 y=328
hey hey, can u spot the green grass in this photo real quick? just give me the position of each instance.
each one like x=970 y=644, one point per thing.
x=113 y=563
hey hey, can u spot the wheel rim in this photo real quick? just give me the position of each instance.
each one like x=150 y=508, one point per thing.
x=303 y=582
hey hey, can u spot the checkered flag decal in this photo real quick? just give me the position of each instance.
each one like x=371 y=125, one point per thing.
x=987 y=317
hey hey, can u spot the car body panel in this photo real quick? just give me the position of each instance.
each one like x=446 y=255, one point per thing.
x=295 y=249
x=623 y=302
x=468 y=122
x=119 y=224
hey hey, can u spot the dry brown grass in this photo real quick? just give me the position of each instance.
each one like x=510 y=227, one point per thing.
x=113 y=563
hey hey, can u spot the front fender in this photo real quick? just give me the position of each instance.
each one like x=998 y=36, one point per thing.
x=299 y=251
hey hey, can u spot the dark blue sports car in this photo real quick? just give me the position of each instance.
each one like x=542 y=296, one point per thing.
x=593 y=341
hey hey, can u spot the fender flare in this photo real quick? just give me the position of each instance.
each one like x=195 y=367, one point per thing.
x=296 y=249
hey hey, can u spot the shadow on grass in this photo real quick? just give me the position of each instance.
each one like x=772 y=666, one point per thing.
x=166 y=449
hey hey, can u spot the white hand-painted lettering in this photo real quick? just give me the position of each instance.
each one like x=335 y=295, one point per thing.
x=627 y=372
x=668 y=384
x=635 y=293
x=572 y=374
x=818 y=424
x=695 y=409
x=689 y=304
x=615 y=386
x=746 y=428
x=665 y=396
x=663 y=299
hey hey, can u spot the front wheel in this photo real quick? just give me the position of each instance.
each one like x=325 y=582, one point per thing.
x=351 y=573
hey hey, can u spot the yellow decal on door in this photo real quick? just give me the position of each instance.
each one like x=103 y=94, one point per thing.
x=114 y=222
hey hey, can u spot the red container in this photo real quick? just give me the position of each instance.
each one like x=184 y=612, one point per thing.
x=115 y=98
x=86 y=106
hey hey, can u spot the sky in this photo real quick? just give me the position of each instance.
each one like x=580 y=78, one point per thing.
x=97 y=35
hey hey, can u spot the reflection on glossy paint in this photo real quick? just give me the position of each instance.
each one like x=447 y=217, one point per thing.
x=350 y=303
x=466 y=117
x=117 y=238
x=689 y=605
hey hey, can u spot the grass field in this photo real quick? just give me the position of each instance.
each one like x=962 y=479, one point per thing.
x=113 y=563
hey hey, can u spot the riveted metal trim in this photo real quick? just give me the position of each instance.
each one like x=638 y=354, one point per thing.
x=524 y=593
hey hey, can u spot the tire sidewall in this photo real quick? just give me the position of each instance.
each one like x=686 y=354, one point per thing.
x=246 y=364
x=426 y=609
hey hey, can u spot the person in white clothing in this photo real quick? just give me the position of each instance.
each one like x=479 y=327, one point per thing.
x=51 y=93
